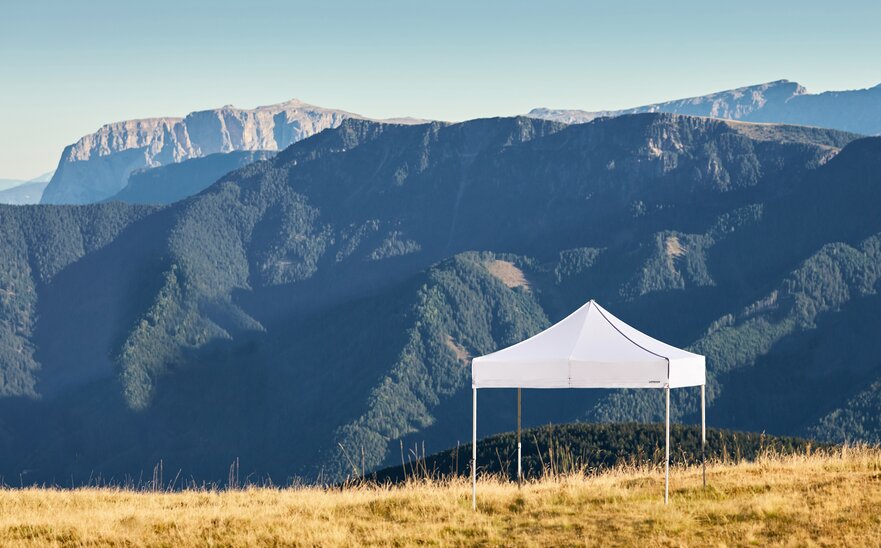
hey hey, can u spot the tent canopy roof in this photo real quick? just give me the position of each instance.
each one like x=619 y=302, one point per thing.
x=590 y=348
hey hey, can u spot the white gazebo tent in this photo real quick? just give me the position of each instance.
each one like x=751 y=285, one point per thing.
x=590 y=348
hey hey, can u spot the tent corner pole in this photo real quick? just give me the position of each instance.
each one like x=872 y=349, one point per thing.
x=667 y=448
x=519 y=445
x=704 y=432
x=474 y=450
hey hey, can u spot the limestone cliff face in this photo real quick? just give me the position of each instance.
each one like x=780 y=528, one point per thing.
x=98 y=165
x=735 y=104
x=780 y=102
x=150 y=134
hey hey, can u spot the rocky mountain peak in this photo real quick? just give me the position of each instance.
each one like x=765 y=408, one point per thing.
x=98 y=165
x=780 y=101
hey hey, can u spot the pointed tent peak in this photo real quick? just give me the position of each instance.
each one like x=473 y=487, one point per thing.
x=583 y=309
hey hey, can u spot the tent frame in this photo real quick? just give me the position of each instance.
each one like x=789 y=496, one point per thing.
x=519 y=447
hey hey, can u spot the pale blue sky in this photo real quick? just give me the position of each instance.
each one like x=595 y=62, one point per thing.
x=66 y=67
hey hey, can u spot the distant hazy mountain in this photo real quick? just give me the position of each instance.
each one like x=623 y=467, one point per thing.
x=314 y=311
x=782 y=101
x=167 y=184
x=18 y=192
x=98 y=165
x=25 y=193
x=9 y=183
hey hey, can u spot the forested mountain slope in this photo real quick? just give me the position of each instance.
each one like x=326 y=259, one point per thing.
x=321 y=306
x=167 y=184
x=565 y=448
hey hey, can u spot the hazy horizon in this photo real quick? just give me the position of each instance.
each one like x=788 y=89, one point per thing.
x=69 y=69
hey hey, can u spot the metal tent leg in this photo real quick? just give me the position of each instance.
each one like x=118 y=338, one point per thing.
x=519 y=445
x=474 y=450
x=704 y=432
x=667 y=450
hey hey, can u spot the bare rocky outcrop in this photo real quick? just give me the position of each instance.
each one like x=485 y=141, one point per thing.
x=780 y=102
x=98 y=165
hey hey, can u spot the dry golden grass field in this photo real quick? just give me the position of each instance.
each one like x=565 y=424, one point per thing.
x=824 y=500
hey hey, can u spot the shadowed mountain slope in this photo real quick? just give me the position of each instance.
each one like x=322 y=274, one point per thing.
x=174 y=182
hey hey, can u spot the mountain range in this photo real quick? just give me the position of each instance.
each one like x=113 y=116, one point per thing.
x=97 y=166
x=320 y=306
x=780 y=102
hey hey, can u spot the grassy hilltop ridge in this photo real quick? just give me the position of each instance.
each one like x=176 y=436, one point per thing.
x=825 y=498
x=590 y=447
